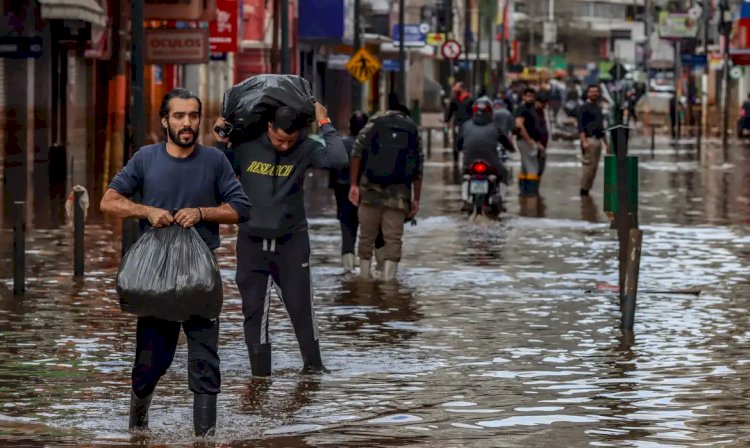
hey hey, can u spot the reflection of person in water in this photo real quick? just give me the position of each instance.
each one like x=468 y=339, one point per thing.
x=376 y=305
x=273 y=397
x=588 y=209
x=532 y=207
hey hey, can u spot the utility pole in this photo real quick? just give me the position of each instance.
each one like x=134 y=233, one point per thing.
x=706 y=70
x=402 y=52
x=449 y=33
x=477 y=75
x=649 y=29
x=356 y=87
x=286 y=66
x=503 y=45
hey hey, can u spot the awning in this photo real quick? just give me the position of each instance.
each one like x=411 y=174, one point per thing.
x=84 y=10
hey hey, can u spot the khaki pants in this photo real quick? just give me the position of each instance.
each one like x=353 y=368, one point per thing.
x=590 y=161
x=371 y=219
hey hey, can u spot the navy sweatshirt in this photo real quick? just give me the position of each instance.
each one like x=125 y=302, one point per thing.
x=204 y=179
x=274 y=180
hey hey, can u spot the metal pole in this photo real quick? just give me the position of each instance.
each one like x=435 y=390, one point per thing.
x=706 y=70
x=19 y=249
x=648 y=10
x=678 y=83
x=356 y=86
x=477 y=75
x=623 y=219
x=503 y=50
x=78 y=253
x=286 y=66
x=724 y=7
x=628 y=303
x=137 y=108
x=402 y=52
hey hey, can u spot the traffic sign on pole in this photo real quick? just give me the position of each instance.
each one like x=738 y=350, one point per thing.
x=451 y=49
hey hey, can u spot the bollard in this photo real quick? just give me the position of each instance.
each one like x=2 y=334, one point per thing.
x=429 y=143
x=78 y=223
x=628 y=300
x=653 y=138
x=19 y=249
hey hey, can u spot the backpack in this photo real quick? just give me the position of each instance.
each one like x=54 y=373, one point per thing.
x=393 y=156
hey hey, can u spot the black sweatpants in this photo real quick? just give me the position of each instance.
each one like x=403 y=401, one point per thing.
x=156 y=343
x=283 y=263
x=346 y=212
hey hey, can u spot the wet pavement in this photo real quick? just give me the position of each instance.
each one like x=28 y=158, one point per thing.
x=497 y=334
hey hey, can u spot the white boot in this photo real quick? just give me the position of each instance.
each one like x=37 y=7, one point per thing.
x=389 y=270
x=365 y=268
x=347 y=261
x=379 y=260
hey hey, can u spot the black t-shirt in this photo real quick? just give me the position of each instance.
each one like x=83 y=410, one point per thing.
x=531 y=121
x=591 y=120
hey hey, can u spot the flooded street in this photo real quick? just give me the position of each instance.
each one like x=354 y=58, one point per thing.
x=498 y=334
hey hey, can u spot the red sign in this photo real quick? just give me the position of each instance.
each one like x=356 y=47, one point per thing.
x=451 y=49
x=171 y=46
x=223 y=31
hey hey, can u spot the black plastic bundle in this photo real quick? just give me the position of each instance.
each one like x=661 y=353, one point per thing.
x=250 y=105
x=170 y=273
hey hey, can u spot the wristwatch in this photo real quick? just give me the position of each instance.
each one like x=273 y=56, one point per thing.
x=324 y=121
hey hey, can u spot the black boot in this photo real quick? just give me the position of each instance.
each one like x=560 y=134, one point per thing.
x=139 y=412
x=311 y=358
x=204 y=415
x=260 y=359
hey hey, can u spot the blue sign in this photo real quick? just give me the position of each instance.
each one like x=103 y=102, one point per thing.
x=694 y=60
x=414 y=34
x=20 y=47
x=745 y=10
x=390 y=65
x=325 y=20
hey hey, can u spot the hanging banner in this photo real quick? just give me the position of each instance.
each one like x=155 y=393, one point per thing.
x=223 y=31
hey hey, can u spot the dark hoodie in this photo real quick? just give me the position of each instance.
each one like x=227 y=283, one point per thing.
x=273 y=180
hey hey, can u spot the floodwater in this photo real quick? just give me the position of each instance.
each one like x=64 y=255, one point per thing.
x=498 y=334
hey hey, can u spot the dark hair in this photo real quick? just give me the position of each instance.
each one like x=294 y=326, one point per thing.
x=591 y=86
x=181 y=93
x=528 y=90
x=287 y=119
x=357 y=122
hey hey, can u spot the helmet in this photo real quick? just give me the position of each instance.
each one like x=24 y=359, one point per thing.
x=482 y=106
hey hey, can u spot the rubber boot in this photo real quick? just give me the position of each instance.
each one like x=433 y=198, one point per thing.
x=365 y=268
x=389 y=270
x=379 y=258
x=533 y=188
x=139 y=412
x=260 y=359
x=312 y=363
x=204 y=415
x=522 y=187
x=347 y=261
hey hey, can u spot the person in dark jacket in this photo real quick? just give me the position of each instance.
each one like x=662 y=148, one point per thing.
x=460 y=111
x=346 y=212
x=273 y=247
x=198 y=181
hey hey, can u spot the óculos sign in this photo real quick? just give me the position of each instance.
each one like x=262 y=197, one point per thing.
x=177 y=46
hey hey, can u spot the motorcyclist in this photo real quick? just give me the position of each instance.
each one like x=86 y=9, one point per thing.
x=479 y=138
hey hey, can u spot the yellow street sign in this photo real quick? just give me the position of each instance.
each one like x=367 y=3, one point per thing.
x=363 y=65
x=435 y=39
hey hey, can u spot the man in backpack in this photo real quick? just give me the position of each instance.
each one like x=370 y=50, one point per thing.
x=386 y=178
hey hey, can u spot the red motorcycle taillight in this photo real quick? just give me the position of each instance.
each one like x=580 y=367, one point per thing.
x=479 y=168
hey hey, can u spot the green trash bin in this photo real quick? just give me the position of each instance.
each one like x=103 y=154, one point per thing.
x=610 y=183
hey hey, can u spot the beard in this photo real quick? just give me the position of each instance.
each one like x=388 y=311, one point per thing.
x=177 y=139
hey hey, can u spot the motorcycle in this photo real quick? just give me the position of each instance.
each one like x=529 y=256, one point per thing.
x=482 y=191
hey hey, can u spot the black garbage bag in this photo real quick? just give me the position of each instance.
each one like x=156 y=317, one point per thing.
x=170 y=273
x=250 y=105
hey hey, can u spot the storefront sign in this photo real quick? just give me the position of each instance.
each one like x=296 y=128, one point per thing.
x=171 y=46
x=223 y=31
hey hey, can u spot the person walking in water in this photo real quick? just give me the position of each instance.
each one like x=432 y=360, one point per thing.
x=593 y=138
x=199 y=182
x=273 y=247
